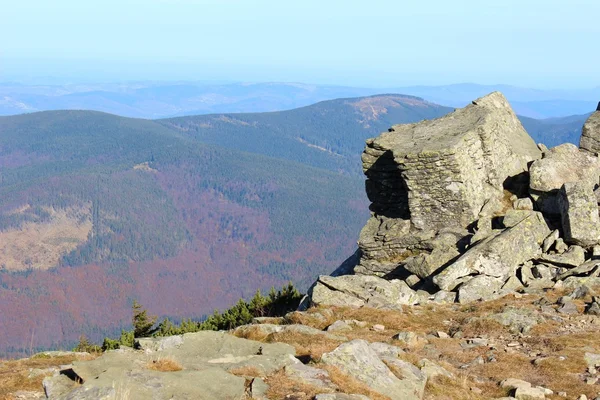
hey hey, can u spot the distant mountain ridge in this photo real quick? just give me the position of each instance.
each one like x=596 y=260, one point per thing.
x=171 y=99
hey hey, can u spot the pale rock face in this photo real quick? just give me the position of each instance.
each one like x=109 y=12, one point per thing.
x=590 y=136
x=499 y=256
x=362 y=290
x=579 y=214
x=441 y=172
x=359 y=360
x=563 y=164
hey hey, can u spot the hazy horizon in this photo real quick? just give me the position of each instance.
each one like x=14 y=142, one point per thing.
x=377 y=44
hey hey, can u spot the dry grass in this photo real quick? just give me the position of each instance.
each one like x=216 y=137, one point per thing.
x=247 y=370
x=349 y=385
x=281 y=385
x=306 y=345
x=164 y=365
x=14 y=373
x=41 y=244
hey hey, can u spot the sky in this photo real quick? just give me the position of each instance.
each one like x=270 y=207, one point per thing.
x=375 y=43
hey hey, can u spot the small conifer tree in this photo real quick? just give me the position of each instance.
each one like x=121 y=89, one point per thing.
x=142 y=323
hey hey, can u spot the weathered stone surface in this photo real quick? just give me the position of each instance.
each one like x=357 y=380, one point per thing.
x=518 y=320
x=481 y=287
x=590 y=135
x=205 y=359
x=499 y=256
x=361 y=290
x=573 y=257
x=579 y=214
x=340 y=396
x=513 y=217
x=358 y=360
x=424 y=265
x=310 y=376
x=448 y=167
x=563 y=164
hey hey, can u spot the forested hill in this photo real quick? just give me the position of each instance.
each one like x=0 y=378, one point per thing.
x=96 y=210
x=330 y=134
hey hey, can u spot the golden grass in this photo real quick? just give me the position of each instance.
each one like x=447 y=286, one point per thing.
x=164 y=365
x=247 y=370
x=281 y=385
x=14 y=373
x=349 y=385
x=41 y=244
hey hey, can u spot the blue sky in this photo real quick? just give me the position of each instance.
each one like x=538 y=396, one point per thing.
x=534 y=43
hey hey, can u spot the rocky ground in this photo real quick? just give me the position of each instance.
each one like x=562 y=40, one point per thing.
x=541 y=345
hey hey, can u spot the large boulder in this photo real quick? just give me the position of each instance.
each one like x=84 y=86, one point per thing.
x=590 y=135
x=441 y=172
x=360 y=361
x=563 y=164
x=500 y=255
x=361 y=290
x=436 y=174
x=579 y=213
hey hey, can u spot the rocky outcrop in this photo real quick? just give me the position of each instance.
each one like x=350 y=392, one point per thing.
x=590 y=136
x=467 y=208
x=192 y=366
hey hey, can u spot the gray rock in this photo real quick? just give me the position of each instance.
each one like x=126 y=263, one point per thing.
x=573 y=257
x=205 y=359
x=513 y=217
x=310 y=376
x=433 y=370
x=590 y=134
x=408 y=338
x=560 y=246
x=57 y=386
x=424 y=265
x=550 y=240
x=499 y=256
x=481 y=287
x=450 y=166
x=385 y=350
x=523 y=204
x=358 y=360
x=579 y=213
x=362 y=290
x=340 y=396
x=518 y=320
x=584 y=269
x=563 y=164
x=443 y=297
x=338 y=326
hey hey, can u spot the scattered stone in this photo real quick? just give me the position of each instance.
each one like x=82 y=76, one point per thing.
x=378 y=328
x=338 y=326
x=499 y=256
x=523 y=204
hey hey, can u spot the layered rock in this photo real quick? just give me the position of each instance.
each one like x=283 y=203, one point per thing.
x=466 y=208
x=590 y=136
x=439 y=173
